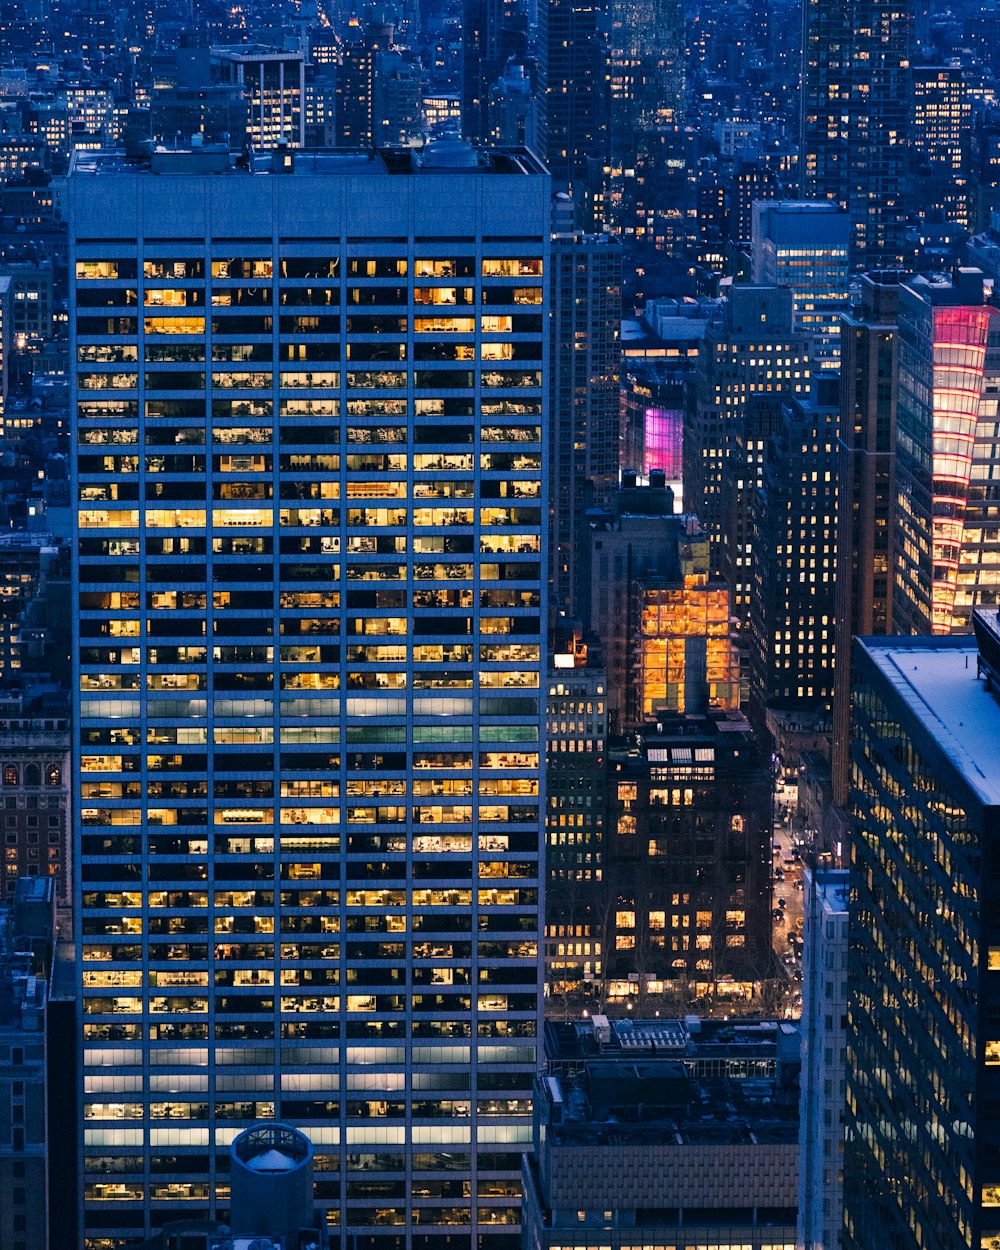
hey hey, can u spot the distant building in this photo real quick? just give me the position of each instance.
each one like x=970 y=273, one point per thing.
x=946 y=541
x=574 y=90
x=805 y=245
x=274 y=85
x=34 y=792
x=584 y=397
x=753 y=349
x=866 y=538
x=657 y=1133
x=34 y=631
x=824 y=1058
x=794 y=550
x=940 y=136
x=855 y=115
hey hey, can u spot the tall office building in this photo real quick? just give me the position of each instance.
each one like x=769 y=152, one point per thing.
x=794 y=557
x=646 y=70
x=493 y=32
x=824 y=1057
x=274 y=83
x=308 y=414
x=943 y=557
x=855 y=117
x=742 y=479
x=584 y=397
x=576 y=802
x=865 y=537
x=6 y=337
x=942 y=141
x=687 y=881
x=923 y=1040
x=752 y=350
x=805 y=246
x=575 y=115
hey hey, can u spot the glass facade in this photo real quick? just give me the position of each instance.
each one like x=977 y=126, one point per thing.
x=921 y=1165
x=942 y=364
x=309 y=624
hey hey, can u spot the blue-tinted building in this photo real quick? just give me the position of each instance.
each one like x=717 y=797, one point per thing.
x=308 y=410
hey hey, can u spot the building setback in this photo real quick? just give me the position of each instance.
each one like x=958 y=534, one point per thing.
x=308 y=423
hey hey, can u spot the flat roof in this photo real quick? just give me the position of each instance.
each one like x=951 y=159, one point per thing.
x=832 y=886
x=938 y=679
x=442 y=156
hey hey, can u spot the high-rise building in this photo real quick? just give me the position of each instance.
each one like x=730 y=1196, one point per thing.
x=804 y=246
x=824 y=1057
x=942 y=136
x=575 y=114
x=310 y=616
x=923 y=1043
x=26 y=940
x=274 y=84
x=576 y=801
x=648 y=186
x=855 y=118
x=945 y=329
x=794 y=558
x=493 y=32
x=396 y=98
x=865 y=541
x=584 y=397
x=686 y=901
x=753 y=350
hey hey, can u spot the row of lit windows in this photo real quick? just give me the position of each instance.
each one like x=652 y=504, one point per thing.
x=309 y=267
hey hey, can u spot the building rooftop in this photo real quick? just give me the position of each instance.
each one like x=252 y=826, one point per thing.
x=939 y=680
x=832 y=888
x=446 y=155
x=671 y=1082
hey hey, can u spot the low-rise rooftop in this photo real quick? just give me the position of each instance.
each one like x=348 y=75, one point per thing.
x=671 y=1082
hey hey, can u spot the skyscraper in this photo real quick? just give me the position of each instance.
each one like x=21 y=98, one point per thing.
x=753 y=350
x=646 y=68
x=584 y=399
x=308 y=415
x=944 y=331
x=855 y=116
x=793 y=559
x=942 y=135
x=825 y=893
x=493 y=31
x=804 y=246
x=923 y=1043
x=575 y=87
x=865 y=531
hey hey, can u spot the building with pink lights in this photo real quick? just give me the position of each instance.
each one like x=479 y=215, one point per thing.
x=947 y=506
x=653 y=419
